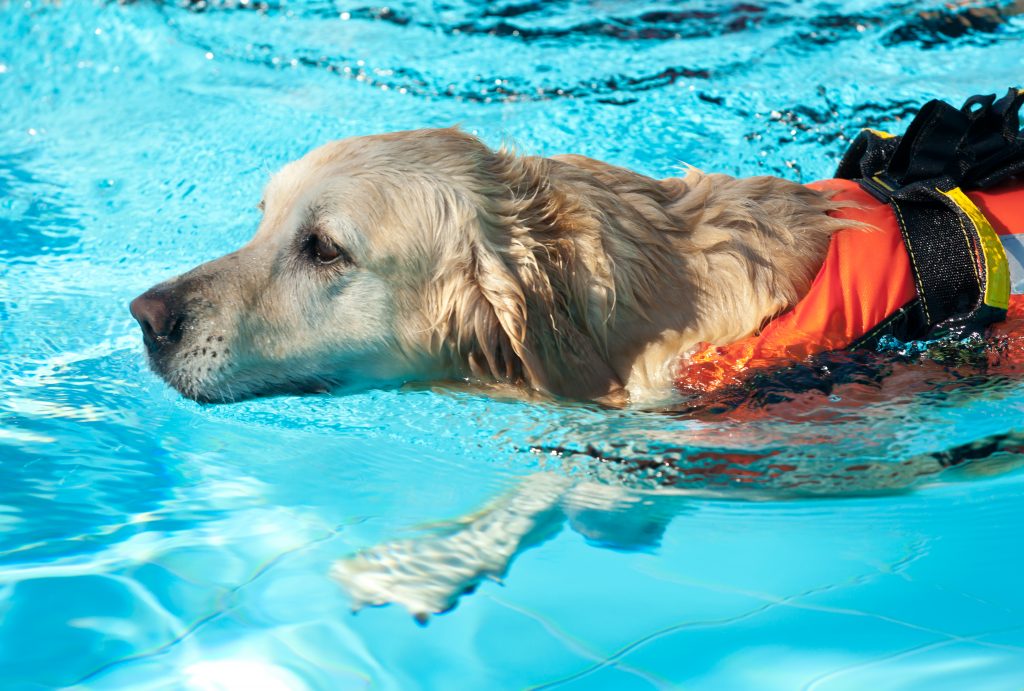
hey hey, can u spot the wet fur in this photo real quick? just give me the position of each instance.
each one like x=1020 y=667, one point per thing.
x=563 y=275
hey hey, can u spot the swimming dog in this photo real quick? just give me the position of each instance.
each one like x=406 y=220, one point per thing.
x=427 y=256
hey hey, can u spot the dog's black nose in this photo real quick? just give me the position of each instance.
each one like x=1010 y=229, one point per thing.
x=159 y=318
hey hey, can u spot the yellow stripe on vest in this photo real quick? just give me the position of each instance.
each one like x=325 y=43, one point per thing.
x=997 y=270
x=880 y=133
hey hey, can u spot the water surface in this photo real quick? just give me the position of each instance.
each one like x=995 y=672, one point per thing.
x=149 y=542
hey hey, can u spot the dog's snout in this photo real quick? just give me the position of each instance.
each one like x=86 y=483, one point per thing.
x=159 y=317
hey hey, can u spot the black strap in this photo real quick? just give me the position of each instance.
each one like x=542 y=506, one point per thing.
x=918 y=173
x=977 y=146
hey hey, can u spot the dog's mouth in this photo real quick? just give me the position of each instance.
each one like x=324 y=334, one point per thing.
x=228 y=394
x=315 y=386
x=209 y=376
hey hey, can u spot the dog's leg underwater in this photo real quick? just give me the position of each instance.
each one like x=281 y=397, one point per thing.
x=427 y=575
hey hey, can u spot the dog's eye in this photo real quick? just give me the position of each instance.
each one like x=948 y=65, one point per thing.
x=324 y=251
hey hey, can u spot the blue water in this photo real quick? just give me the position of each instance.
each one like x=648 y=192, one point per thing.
x=150 y=542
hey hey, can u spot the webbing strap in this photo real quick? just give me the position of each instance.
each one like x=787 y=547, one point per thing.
x=941 y=256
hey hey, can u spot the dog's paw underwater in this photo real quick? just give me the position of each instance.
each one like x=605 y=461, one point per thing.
x=427 y=575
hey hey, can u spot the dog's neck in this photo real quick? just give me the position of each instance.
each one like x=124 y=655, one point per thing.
x=621 y=274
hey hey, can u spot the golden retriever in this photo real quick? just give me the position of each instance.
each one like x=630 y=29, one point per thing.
x=427 y=256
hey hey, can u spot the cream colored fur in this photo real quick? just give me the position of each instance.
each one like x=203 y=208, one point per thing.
x=563 y=275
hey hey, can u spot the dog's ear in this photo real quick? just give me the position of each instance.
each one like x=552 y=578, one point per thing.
x=551 y=352
x=499 y=320
x=517 y=305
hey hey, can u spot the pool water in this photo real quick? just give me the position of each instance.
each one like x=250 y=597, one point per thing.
x=150 y=542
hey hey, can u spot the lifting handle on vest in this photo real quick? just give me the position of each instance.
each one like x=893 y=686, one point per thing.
x=958 y=263
x=974 y=147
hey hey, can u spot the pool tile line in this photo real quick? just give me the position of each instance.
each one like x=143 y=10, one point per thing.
x=221 y=610
x=794 y=602
x=910 y=652
x=578 y=646
x=770 y=603
x=970 y=596
x=612 y=660
x=320 y=665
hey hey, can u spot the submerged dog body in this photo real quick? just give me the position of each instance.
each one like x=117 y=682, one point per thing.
x=427 y=256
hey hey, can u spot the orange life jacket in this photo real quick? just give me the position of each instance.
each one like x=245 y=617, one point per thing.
x=866 y=277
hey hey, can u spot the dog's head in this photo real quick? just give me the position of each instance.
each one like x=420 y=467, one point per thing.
x=378 y=260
